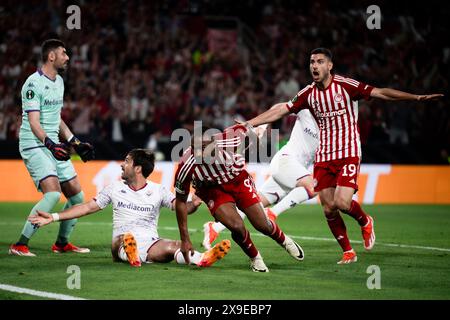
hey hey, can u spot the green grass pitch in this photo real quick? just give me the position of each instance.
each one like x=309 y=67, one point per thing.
x=412 y=252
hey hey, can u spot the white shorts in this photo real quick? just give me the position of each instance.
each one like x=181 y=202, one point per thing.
x=145 y=239
x=285 y=170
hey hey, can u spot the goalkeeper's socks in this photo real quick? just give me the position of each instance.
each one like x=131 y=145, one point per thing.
x=337 y=227
x=246 y=244
x=65 y=229
x=66 y=226
x=357 y=213
x=46 y=204
x=61 y=243
x=23 y=241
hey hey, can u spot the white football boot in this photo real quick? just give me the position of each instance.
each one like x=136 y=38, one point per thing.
x=258 y=265
x=293 y=248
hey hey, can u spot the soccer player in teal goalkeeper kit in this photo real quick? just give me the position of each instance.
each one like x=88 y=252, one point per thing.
x=46 y=158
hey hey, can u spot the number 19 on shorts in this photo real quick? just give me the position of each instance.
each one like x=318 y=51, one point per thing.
x=349 y=170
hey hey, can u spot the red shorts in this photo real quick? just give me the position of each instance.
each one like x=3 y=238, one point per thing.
x=241 y=191
x=341 y=172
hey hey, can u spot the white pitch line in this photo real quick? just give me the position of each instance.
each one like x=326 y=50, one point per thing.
x=43 y=294
x=333 y=240
x=394 y=245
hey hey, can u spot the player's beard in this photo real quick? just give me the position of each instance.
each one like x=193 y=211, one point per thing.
x=125 y=178
x=325 y=77
x=62 y=68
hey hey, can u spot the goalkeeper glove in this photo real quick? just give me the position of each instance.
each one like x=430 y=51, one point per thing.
x=59 y=150
x=85 y=150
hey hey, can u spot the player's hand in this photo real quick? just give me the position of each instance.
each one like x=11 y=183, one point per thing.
x=41 y=218
x=84 y=149
x=240 y=122
x=245 y=124
x=259 y=130
x=429 y=97
x=59 y=150
x=187 y=250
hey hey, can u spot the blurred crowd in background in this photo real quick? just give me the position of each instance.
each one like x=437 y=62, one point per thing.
x=141 y=69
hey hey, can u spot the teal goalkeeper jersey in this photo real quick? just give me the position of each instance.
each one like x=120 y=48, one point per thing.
x=40 y=93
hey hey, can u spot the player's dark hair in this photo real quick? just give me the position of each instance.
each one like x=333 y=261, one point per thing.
x=324 y=51
x=49 y=45
x=144 y=158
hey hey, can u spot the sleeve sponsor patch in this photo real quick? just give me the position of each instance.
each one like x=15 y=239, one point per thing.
x=31 y=104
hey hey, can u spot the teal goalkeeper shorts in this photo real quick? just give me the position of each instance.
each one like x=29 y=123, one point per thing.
x=41 y=164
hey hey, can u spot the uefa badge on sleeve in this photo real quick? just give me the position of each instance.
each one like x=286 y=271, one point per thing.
x=179 y=186
x=29 y=94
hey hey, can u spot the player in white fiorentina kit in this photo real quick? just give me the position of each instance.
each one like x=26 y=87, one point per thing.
x=136 y=205
x=333 y=101
x=290 y=182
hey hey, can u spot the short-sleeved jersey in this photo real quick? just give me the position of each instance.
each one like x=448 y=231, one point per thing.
x=135 y=208
x=335 y=109
x=41 y=94
x=304 y=138
x=224 y=167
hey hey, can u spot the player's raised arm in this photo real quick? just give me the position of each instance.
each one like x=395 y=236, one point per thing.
x=43 y=218
x=275 y=113
x=393 y=94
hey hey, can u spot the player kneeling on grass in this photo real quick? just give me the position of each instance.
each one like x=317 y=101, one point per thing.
x=216 y=169
x=290 y=182
x=136 y=206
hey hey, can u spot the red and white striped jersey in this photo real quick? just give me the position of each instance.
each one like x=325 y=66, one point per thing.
x=226 y=164
x=335 y=109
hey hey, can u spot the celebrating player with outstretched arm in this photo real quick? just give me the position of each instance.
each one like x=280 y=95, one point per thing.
x=333 y=101
x=290 y=182
x=46 y=159
x=217 y=172
x=136 y=204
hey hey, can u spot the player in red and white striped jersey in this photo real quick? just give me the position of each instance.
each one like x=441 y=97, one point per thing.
x=290 y=182
x=333 y=101
x=225 y=168
x=217 y=172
